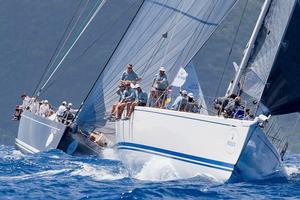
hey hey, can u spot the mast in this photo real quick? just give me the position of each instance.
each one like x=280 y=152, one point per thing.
x=246 y=57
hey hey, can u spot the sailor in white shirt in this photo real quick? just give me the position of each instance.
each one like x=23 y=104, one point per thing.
x=61 y=109
x=26 y=102
x=44 y=109
x=35 y=106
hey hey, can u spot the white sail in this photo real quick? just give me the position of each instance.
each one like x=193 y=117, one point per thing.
x=164 y=33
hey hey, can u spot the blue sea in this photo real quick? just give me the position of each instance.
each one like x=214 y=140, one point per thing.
x=56 y=175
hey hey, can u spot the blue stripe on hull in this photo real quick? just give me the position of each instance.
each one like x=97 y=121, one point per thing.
x=176 y=155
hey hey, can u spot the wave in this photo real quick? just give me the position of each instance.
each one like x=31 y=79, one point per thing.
x=47 y=173
x=157 y=169
x=98 y=172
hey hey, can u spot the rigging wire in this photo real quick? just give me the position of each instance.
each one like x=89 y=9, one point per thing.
x=89 y=47
x=67 y=38
x=158 y=45
x=164 y=36
x=57 y=47
x=106 y=64
x=110 y=91
x=77 y=38
x=231 y=49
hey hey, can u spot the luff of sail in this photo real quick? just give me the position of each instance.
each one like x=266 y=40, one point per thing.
x=266 y=47
x=185 y=25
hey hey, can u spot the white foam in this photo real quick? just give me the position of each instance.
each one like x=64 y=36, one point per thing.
x=47 y=173
x=292 y=169
x=109 y=153
x=97 y=172
x=157 y=169
x=15 y=155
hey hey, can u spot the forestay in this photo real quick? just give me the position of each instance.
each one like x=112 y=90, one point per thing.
x=267 y=47
x=164 y=33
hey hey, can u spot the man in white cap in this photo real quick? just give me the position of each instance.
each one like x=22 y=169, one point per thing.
x=130 y=75
x=191 y=105
x=128 y=97
x=141 y=100
x=180 y=102
x=161 y=84
x=61 y=109
x=69 y=114
x=44 y=109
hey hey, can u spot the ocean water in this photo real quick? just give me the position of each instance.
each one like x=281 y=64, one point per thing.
x=56 y=175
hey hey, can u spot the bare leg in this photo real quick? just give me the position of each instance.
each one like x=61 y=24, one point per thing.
x=128 y=108
x=132 y=108
x=120 y=109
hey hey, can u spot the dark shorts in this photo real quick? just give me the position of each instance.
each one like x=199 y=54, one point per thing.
x=161 y=94
x=141 y=104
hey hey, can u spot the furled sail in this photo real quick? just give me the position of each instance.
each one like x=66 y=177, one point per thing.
x=282 y=94
x=266 y=48
x=164 y=33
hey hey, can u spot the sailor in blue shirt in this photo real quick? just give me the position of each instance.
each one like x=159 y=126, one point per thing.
x=180 y=102
x=141 y=100
x=128 y=97
x=161 y=84
x=120 y=93
x=130 y=75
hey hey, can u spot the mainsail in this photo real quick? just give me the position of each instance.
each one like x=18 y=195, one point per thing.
x=164 y=33
x=266 y=48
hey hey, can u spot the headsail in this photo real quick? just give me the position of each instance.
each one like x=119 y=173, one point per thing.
x=266 y=48
x=164 y=33
x=282 y=94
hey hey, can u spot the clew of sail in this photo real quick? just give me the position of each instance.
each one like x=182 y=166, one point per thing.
x=266 y=48
x=164 y=33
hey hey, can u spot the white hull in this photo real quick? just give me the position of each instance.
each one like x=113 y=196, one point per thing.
x=38 y=133
x=195 y=144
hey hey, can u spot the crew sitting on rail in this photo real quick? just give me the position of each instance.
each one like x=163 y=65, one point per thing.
x=128 y=97
x=19 y=108
x=130 y=75
x=152 y=100
x=221 y=102
x=161 y=85
x=180 y=102
x=119 y=92
x=232 y=106
x=192 y=105
x=141 y=100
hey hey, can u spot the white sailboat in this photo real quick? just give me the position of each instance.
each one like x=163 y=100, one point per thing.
x=169 y=34
x=211 y=145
